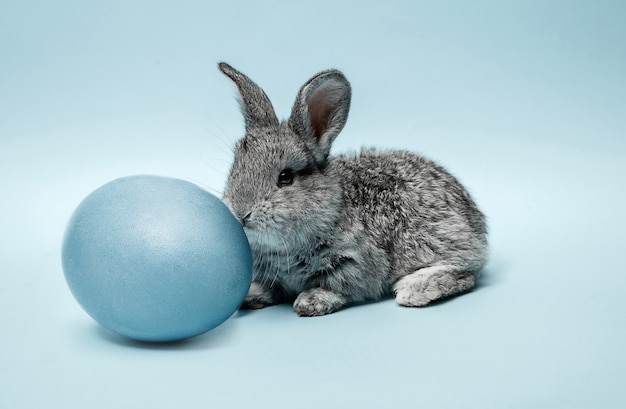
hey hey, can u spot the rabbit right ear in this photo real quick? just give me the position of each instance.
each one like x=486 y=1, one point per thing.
x=321 y=111
x=255 y=105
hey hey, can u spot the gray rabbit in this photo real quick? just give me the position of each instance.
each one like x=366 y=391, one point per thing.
x=330 y=231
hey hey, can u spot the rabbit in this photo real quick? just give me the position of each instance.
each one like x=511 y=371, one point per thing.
x=330 y=231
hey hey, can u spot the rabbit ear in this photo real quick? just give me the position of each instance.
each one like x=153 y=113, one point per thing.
x=255 y=105
x=321 y=111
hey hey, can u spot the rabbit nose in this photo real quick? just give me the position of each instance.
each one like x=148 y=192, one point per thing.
x=245 y=219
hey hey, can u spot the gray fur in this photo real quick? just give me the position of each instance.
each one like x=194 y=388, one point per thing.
x=350 y=228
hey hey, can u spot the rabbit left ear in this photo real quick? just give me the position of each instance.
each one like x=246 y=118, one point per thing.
x=255 y=105
x=321 y=111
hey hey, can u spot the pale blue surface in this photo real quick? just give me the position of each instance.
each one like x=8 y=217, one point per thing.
x=156 y=259
x=522 y=100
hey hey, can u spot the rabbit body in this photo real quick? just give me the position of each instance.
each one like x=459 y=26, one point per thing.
x=326 y=232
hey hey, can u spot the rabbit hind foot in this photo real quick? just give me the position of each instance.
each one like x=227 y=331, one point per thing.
x=430 y=284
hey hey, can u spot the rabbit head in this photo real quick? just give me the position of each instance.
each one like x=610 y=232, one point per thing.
x=280 y=187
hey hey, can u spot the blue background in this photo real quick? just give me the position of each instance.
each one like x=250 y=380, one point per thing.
x=525 y=101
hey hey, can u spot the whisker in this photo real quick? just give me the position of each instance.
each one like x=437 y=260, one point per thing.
x=286 y=259
x=226 y=143
x=225 y=139
x=275 y=267
x=220 y=171
x=269 y=265
x=217 y=193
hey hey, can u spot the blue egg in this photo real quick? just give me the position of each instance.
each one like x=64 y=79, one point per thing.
x=156 y=259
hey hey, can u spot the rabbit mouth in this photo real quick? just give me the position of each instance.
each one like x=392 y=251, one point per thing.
x=266 y=239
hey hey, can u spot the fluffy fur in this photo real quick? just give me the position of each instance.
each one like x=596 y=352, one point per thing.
x=327 y=232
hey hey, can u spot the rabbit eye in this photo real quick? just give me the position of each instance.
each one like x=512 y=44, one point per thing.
x=285 y=178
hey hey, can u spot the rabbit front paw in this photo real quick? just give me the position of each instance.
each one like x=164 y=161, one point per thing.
x=259 y=297
x=317 y=302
